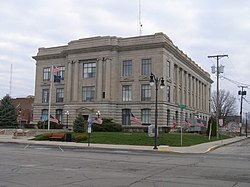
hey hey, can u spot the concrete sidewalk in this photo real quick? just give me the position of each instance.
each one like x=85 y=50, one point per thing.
x=200 y=148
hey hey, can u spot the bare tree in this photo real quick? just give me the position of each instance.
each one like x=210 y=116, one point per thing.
x=227 y=103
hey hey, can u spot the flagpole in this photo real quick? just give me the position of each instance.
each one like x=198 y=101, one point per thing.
x=50 y=94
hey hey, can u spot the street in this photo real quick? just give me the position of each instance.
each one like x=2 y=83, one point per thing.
x=44 y=166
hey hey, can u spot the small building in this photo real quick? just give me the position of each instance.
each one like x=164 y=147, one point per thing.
x=111 y=74
x=24 y=109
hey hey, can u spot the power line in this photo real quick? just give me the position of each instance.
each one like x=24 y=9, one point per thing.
x=235 y=82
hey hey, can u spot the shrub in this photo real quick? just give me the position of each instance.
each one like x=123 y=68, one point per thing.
x=78 y=125
x=29 y=126
x=80 y=137
x=53 y=125
x=107 y=126
x=45 y=136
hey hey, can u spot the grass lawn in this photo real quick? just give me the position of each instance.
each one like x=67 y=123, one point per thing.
x=170 y=139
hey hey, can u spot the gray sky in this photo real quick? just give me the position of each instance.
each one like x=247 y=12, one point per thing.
x=198 y=27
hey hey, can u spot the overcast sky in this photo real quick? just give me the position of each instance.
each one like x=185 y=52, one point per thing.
x=198 y=27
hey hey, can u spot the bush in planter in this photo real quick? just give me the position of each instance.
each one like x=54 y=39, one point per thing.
x=53 y=125
x=107 y=126
x=45 y=136
x=78 y=125
x=80 y=137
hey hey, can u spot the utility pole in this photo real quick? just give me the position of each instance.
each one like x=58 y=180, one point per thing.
x=246 y=123
x=218 y=71
x=241 y=93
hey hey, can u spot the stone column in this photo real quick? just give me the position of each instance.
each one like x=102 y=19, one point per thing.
x=187 y=83
x=99 y=88
x=177 y=86
x=108 y=79
x=76 y=81
x=69 y=81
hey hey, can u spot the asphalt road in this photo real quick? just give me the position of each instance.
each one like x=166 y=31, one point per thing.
x=44 y=166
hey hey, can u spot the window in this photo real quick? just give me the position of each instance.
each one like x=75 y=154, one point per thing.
x=59 y=114
x=45 y=95
x=88 y=93
x=168 y=69
x=146 y=66
x=126 y=117
x=61 y=72
x=46 y=74
x=168 y=93
x=44 y=115
x=59 y=95
x=127 y=68
x=126 y=93
x=146 y=116
x=145 y=92
x=168 y=117
x=89 y=70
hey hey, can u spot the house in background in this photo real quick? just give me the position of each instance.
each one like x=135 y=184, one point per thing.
x=24 y=109
x=111 y=74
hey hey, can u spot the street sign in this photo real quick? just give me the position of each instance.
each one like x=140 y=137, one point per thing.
x=182 y=106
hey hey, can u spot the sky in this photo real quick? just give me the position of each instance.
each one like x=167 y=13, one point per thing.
x=198 y=27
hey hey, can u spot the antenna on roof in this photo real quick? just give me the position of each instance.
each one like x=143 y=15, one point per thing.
x=140 y=23
x=10 y=78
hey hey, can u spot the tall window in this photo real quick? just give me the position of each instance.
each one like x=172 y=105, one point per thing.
x=89 y=69
x=168 y=117
x=168 y=69
x=46 y=74
x=61 y=72
x=168 y=93
x=45 y=95
x=127 y=68
x=59 y=114
x=59 y=95
x=44 y=115
x=146 y=116
x=126 y=117
x=146 y=66
x=88 y=93
x=127 y=93
x=145 y=92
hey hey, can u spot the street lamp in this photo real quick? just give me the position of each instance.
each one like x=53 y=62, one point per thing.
x=155 y=80
x=98 y=113
x=67 y=114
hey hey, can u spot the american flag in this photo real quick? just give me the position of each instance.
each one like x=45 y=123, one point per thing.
x=56 y=69
x=199 y=123
x=174 y=123
x=134 y=119
x=98 y=121
x=52 y=119
x=187 y=124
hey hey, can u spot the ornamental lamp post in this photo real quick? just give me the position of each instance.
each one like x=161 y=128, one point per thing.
x=67 y=122
x=155 y=80
x=98 y=113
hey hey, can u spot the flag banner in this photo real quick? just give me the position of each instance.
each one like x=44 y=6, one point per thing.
x=98 y=121
x=187 y=123
x=53 y=119
x=174 y=123
x=56 y=69
x=134 y=119
x=199 y=123
x=57 y=78
x=44 y=118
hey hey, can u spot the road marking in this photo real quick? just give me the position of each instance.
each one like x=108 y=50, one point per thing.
x=61 y=149
x=26 y=146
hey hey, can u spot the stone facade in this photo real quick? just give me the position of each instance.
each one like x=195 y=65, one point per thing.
x=111 y=75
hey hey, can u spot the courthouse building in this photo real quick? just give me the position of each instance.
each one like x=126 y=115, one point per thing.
x=111 y=75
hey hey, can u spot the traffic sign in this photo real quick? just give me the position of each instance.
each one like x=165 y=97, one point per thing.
x=182 y=106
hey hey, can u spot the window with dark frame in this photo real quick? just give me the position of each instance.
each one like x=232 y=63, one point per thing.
x=127 y=68
x=145 y=92
x=126 y=93
x=89 y=70
x=146 y=116
x=59 y=95
x=126 y=117
x=46 y=74
x=45 y=95
x=88 y=93
x=146 y=66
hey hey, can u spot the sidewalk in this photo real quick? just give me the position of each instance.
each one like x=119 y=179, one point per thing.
x=200 y=148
